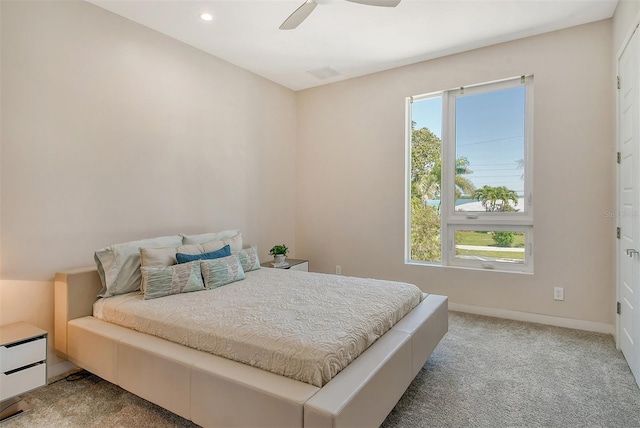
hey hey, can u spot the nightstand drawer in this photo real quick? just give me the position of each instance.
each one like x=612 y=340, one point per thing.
x=303 y=267
x=22 y=354
x=21 y=381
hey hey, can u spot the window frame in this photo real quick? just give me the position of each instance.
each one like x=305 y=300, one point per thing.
x=527 y=266
x=452 y=220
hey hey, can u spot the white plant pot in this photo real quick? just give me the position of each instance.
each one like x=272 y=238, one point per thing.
x=279 y=259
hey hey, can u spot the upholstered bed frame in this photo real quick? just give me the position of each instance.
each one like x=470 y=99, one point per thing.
x=213 y=391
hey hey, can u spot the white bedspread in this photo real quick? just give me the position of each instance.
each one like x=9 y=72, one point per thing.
x=306 y=326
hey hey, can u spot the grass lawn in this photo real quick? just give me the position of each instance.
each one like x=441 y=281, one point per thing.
x=464 y=237
x=485 y=239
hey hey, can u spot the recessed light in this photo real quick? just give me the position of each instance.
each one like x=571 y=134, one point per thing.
x=206 y=16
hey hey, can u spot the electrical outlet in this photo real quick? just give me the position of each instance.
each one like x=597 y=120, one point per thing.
x=338 y=270
x=558 y=293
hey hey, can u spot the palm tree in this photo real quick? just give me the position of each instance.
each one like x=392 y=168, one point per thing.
x=463 y=186
x=496 y=198
x=520 y=163
x=430 y=183
x=426 y=167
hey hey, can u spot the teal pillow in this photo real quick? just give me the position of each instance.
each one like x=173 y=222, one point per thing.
x=186 y=258
x=219 y=272
x=163 y=281
x=248 y=258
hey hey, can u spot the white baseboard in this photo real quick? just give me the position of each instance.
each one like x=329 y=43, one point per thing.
x=55 y=370
x=537 y=318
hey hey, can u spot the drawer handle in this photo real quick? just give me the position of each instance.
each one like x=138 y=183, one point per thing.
x=22 y=342
x=19 y=369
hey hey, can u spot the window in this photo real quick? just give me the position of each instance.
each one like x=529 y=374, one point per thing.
x=469 y=167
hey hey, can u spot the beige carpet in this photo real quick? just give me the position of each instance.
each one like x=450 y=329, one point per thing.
x=486 y=372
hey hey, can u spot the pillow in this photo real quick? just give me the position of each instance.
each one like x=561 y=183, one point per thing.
x=249 y=259
x=162 y=257
x=222 y=252
x=158 y=257
x=235 y=242
x=219 y=272
x=119 y=264
x=207 y=237
x=163 y=281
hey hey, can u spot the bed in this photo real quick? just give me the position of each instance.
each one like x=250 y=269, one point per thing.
x=214 y=391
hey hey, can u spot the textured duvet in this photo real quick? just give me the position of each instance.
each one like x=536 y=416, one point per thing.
x=306 y=326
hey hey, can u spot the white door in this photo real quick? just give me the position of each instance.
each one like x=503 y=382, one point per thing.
x=628 y=204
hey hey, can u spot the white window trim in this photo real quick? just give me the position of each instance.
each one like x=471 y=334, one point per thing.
x=452 y=220
x=526 y=267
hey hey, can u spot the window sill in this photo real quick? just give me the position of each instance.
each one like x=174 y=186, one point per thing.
x=438 y=265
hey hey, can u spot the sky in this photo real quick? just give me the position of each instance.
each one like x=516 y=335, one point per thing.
x=489 y=133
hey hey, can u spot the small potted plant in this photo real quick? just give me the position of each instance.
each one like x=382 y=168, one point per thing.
x=279 y=253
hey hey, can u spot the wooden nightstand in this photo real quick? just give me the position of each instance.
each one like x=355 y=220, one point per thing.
x=23 y=365
x=294 y=264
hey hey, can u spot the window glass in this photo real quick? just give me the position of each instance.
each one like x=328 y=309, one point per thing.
x=506 y=246
x=490 y=151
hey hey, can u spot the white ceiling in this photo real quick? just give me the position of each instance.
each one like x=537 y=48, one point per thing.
x=350 y=38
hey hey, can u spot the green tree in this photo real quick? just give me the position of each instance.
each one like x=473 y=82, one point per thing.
x=426 y=164
x=497 y=199
x=426 y=167
x=426 y=181
x=425 y=231
x=503 y=238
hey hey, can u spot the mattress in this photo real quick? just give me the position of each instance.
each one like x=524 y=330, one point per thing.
x=306 y=326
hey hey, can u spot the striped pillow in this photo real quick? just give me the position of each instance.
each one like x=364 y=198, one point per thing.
x=219 y=272
x=249 y=258
x=164 y=281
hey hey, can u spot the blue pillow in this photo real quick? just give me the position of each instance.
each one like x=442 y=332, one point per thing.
x=217 y=254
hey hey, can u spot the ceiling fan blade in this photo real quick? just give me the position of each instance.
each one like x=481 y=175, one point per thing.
x=299 y=15
x=383 y=3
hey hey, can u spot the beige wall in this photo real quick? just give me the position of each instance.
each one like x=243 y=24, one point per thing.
x=350 y=193
x=113 y=132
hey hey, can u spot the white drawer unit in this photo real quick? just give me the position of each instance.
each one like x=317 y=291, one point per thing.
x=23 y=359
x=23 y=380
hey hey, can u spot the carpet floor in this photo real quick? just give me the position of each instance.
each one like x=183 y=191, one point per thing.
x=486 y=372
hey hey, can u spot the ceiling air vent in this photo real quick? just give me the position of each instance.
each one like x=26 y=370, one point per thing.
x=323 y=73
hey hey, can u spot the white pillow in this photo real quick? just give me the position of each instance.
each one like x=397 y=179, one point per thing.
x=208 y=237
x=235 y=242
x=119 y=264
x=158 y=257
